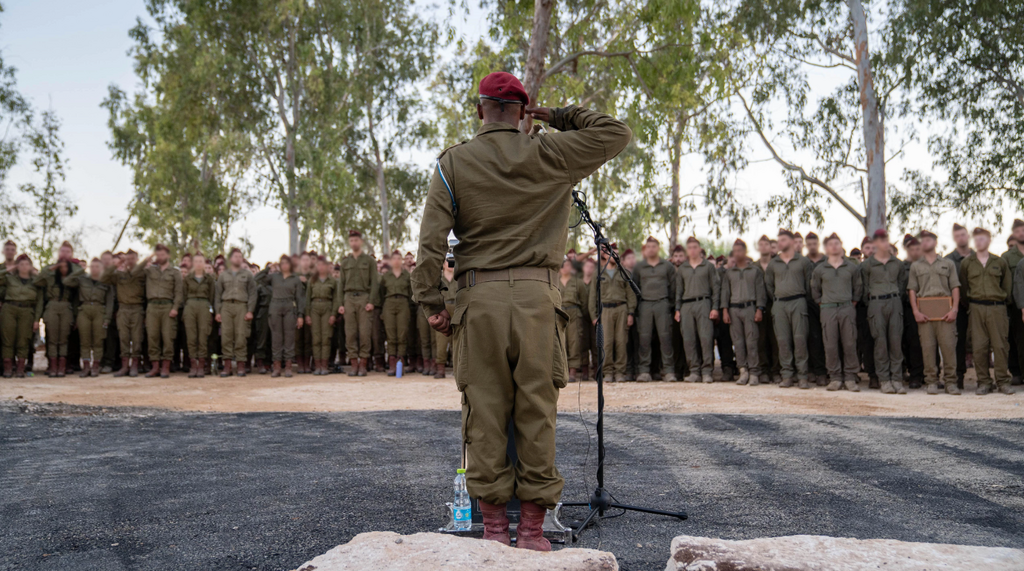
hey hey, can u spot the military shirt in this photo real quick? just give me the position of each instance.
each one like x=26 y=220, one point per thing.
x=933 y=280
x=92 y=292
x=1013 y=256
x=285 y=289
x=696 y=282
x=990 y=282
x=743 y=285
x=129 y=288
x=883 y=279
x=203 y=288
x=957 y=259
x=574 y=291
x=513 y=196
x=1018 y=284
x=54 y=290
x=235 y=286
x=830 y=284
x=783 y=280
x=614 y=289
x=323 y=289
x=656 y=282
x=392 y=285
x=360 y=275
x=23 y=291
x=162 y=283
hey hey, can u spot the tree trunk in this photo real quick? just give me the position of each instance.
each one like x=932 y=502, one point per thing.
x=385 y=230
x=537 y=54
x=676 y=156
x=874 y=133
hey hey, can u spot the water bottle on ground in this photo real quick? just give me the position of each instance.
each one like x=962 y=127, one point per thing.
x=462 y=507
x=398 y=369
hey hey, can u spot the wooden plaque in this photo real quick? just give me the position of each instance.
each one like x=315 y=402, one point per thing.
x=934 y=307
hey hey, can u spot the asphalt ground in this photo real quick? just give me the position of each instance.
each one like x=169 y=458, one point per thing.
x=88 y=489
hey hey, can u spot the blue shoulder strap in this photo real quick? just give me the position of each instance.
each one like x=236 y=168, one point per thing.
x=455 y=206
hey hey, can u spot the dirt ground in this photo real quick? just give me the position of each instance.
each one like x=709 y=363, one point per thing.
x=378 y=392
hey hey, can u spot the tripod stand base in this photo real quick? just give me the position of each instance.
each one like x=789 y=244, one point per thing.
x=602 y=501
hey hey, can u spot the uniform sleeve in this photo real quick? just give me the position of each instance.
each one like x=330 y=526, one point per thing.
x=913 y=283
x=339 y=296
x=760 y=296
x=954 y=279
x=901 y=281
x=680 y=287
x=858 y=286
x=263 y=276
x=137 y=271
x=42 y=278
x=74 y=278
x=716 y=289
x=309 y=298
x=375 y=297
x=218 y=289
x=251 y=295
x=816 y=286
x=438 y=220
x=630 y=296
x=726 y=291
x=670 y=277
x=107 y=276
x=108 y=306
x=808 y=270
x=1007 y=282
x=769 y=281
x=587 y=140
x=179 y=290
x=300 y=297
x=211 y=292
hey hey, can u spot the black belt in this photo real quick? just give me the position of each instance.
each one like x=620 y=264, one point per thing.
x=741 y=305
x=693 y=299
x=398 y=295
x=21 y=303
x=886 y=296
x=612 y=304
x=655 y=300
x=323 y=299
x=791 y=297
x=355 y=293
x=986 y=302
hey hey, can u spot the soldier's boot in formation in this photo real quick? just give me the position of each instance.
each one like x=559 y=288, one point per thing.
x=899 y=387
x=852 y=386
x=585 y=373
x=392 y=366
x=691 y=378
x=62 y=366
x=670 y=377
x=572 y=375
x=287 y=368
x=754 y=380
x=1006 y=389
x=765 y=379
x=803 y=384
x=154 y=371
x=19 y=369
x=133 y=367
x=834 y=386
x=261 y=367
x=86 y=367
x=530 y=531
x=439 y=371
x=495 y=522
x=428 y=367
x=822 y=380
x=363 y=363
x=644 y=378
x=353 y=367
x=915 y=383
x=8 y=368
x=192 y=368
x=95 y=369
x=226 y=371
x=873 y=383
x=200 y=368
x=379 y=363
x=952 y=389
x=300 y=364
x=887 y=388
x=207 y=367
x=50 y=366
x=744 y=376
x=727 y=375
x=982 y=390
x=777 y=380
x=786 y=383
x=933 y=388
x=165 y=369
x=419 y=363
x=707 y=378
x=240 y=365
x=276 y=369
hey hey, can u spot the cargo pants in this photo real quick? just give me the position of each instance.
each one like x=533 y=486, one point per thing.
x=698 y=336
x=789 y=319
x=651 y=316
x=839 y=338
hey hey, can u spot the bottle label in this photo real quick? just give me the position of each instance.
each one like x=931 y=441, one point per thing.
x=463 y=514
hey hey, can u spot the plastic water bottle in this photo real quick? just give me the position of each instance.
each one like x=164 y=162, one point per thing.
x=462 y=508
x=398 y=370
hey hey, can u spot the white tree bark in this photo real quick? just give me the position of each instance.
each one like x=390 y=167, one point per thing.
x=537 y=54
x=385 y=229
x=874 y=133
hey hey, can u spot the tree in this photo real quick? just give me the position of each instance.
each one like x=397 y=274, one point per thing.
x=43 y=218
x=15 y=115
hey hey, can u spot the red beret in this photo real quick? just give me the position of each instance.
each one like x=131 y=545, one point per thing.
x=739 y=242
x=355 y=234
x=627 y=252
x=980 y=230
x=957 y=226
x=880 y=233
x=907 y=238
x=911 y=242
x=652 y=239
x=678 y=248
x=10 y=243
x=926 y=234
x=812 y=236
x=23 y=257
x=504 y=87
x=784 y=232
x=1017 y=223
x=233 y=250
x=693 y=240
x=832 y=236
x=855 y=252
x=408 y=253
x=614 y=245
x=764 y=238
x=571 y=251
x=798 y=235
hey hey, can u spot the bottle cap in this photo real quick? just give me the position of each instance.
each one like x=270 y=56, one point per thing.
x=460 y=471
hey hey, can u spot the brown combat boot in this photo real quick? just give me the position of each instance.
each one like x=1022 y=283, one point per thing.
x=261 y=368
x=19 y=369
x=530 y=531
x=495 y=522
x=392 y=366
x=200 y=368
x=95 y=371
x=154 y=371
x=362 y=367
x=8 y=368
x=572 y=375
x=133 y=367
x=62 y=367
x=192 y=363
x=240 y=366
x=419 y=363
x=287 y=368
x=50 y=367
x=428 y=367
x=276 y=370
x=226 y=371
x=165 y=369
x=353 y=367
x=86 y=366
x=439 y=371
x=379 y=364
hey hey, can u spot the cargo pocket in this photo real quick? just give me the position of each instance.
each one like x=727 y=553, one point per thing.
x=459 y=342
x=560 y=363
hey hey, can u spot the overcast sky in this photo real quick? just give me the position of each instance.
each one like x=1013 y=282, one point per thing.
x=68 y=53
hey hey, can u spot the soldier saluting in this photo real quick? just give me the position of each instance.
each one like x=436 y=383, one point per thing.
x=506 y=195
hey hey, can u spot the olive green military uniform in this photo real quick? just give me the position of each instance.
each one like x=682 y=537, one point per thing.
x=512 y=192
x=164 y=293
x=287 y=300
x=58 y=313
x=884 y=288
x=359 y=285
x=743 y=294
x=937 y=279
x=962 y=323
x=95 y=311
x=654 y=312
x=260 y=338
x=835 y=290
x=441 y=343
x=767 y=343
x=574 y=296
x=789 y=284
x=396 y=291
x=130 y=289
x=1013 y=257
x=22 y=307
x=323 y=298
x=199 y=300
x=698 y=292
x=988 y=287
x=618 y=302
x=816 y=361
x=234 y=297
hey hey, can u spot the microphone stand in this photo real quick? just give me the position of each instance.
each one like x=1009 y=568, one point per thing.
x=601 y=500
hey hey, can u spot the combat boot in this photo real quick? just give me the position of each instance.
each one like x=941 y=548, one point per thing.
x=982 y=390
x=133 y=367
x=226 y=371
x=362 y=366
x=276 y=372
x=428 y=367
x=19 y=370
x=643 y=378
x=165 y=369
x=495 y=522
x=670 y=378
x=803 y=384
x=95 y=372
x=240 y=366
x=754 y=381
x=51 y=367
x=530 y=531
x=952 y=389
x=1006 y=389
x=392 y=366
x=379 y=367
x=353 y=367
x=439 y=371
x=852 y=386
x=419 y=363
x=619 y=378
x=727 y=375
x=744 y=376
x=261 y=367
x=873 y=383
x=933 y=388
x=192 y=364
x=62 y=367
x=899 y=388
x=287 y=368
x=707 y=378
x=200 y=368
x=765 y=379
x=777 y=380
x=834 y=386
x=154 y=371
x=300 y=363
x=887 y=388
x=786 y=383
x=585 y=373
x=692 y=378
x=8 y=368
x=86 y=367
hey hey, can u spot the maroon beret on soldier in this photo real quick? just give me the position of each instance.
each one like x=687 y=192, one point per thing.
x=627 y=252
x=926 y=234
x=798 y=235
x=503 y=87
x=651 y=239
x=811 y=236
x=10 y=243
x=355 y=234
x=571 y=251
x=739 y=243
x=865 y=240
x=764 y=238
x=855 y=252
x=693 y=240
x=911 y=242
x=23 y=257
x=979 y=230
x=957 y=226
x=832 y=236
x=678 y=248
x=1017 y=223
x=880 y=234
x=784 y=232
x=907 y=238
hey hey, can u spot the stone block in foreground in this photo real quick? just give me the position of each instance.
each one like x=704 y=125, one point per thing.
x=821 y=553
x=388 y=551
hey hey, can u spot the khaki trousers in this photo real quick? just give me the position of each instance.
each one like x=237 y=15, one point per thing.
x=282 y=330
x=789 y=319
x=885 y=318
x=989 y=330
x=130 y=322
x=92 y=330
x=58 y=318
x=358 y=325
x=745 y=334
x=16 y=330
x=396 y=324
x=197 y=327
x=698 y=336
x=615 y=332
x=234 y=330
x=839 y=335
x=655 y=316
x=161 y=329
x=942 y=336
x=320 y=313
x=426 y=335
x=573 y=335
